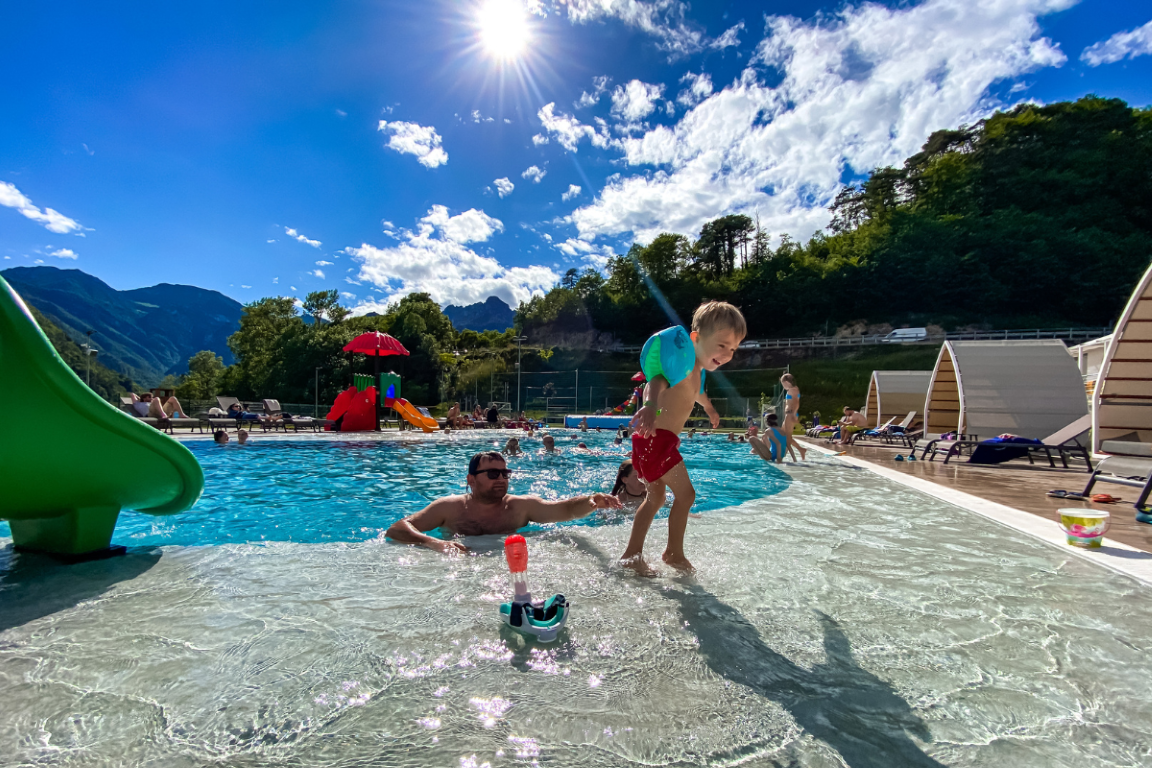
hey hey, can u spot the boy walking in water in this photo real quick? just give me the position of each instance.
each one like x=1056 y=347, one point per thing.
x=674 y=361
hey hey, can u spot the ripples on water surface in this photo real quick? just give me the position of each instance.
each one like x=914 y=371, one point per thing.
x=842 y=620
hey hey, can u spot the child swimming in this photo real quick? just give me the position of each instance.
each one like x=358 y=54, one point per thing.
x=674 y=361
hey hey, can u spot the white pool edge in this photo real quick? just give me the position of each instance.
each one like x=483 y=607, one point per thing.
x=1114 y=555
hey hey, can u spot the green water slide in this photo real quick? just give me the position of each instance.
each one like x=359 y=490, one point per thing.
x=69 y=462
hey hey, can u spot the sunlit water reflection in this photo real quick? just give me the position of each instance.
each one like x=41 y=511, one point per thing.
x=839 y=620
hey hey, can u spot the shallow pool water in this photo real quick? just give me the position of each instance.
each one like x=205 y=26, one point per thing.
x=843 y=620
x=347 y=490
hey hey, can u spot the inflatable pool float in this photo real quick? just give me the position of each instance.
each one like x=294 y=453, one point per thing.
x=541 y=620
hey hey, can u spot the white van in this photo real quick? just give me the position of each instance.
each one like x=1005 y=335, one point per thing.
x=905 y=335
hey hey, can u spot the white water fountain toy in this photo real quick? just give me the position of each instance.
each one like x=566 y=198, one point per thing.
x=542 y=620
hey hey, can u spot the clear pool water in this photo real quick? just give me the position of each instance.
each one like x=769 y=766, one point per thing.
x=841 y=621
x=348 y=490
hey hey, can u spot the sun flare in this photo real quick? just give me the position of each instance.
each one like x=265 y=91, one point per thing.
x=503 y=28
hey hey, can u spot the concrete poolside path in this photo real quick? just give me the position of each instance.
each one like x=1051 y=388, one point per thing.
x=1015 y=493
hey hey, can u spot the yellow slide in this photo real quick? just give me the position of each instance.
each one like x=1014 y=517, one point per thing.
x=413 y=416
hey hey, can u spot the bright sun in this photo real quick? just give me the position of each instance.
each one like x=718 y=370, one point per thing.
x=503 y=27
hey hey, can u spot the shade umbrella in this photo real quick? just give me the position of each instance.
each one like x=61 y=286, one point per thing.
x=377 y=345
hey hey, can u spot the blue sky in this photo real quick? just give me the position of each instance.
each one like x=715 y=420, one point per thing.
x=383 y=147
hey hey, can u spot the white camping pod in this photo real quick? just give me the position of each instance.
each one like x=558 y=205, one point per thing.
x=895 y=393
x=1122 y=398
x=1030 y=388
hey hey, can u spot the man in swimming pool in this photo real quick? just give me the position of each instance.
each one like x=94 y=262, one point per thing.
x=488 y=509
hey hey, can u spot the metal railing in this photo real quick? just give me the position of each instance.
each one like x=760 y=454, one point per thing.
x=1066 y=334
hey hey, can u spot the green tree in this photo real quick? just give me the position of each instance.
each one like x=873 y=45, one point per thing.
x=205 y=372
x=325 y=305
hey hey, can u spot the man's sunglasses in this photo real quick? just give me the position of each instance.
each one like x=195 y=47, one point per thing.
x=495 y=473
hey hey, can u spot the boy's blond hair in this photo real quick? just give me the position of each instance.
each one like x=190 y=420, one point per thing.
x=713 y=316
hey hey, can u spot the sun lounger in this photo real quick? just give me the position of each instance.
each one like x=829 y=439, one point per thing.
x=1062 y=442
x=877 y=431
x=899 y=430
x=272 y=410
x=1133 y=471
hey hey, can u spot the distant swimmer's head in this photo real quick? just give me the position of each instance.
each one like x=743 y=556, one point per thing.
x=512 y=446
x=717 y=330
x=549 y=443
x=220 y=437
x=488 y=477
x=581 y=446
x=242 y=437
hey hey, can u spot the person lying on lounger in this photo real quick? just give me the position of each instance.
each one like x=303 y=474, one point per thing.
x=488 y=509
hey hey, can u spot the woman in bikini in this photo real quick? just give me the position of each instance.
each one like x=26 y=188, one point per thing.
x=629 y=488
x=792 y=412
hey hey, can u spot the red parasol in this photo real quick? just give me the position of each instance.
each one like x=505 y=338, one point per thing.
x=639 y=377
x=376 y=344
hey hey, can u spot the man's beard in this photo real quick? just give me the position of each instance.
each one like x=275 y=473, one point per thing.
x=491 y=497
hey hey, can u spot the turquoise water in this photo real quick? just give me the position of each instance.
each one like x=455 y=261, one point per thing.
x=840 y=620
x=330 y=491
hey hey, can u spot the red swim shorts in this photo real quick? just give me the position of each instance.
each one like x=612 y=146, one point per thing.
x=652 y=457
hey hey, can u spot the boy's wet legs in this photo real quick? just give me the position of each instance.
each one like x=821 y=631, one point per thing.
x=677 y=479
x=633 y=556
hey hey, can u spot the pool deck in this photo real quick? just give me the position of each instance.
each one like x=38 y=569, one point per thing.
x=1013 y=492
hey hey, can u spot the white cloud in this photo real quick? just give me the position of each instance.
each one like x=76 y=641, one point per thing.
x=53 y=221
x=573 y=191
x=539 y=139
x=245 y=286
x=596 y=255
x=316 y=273
x=699 y=88
x=64 y=253
x=663 y=19
x=479 y=118
x=294 y=234
x=567 y=129
x=855 y=92
x=728 y=39
x=472 y=226
x=291 y=287
x=275 y=280
x=599 y=86
x=271 y=241
x=435 y=259
x=342 y=113
x=414 y=139
x=349 y=296
x=1122 y=45
x=504 y=187
x=323 y=263
x=534 y=174
x=636 y=100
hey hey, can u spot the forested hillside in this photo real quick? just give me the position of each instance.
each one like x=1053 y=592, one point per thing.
x=1039 y=216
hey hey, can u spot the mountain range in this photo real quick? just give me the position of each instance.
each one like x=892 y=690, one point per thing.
x=146 y=333
x=489 y=315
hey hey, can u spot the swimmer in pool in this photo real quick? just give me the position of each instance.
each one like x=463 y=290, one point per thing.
x=675 y=362
x=512 y=447
x=488 y=509
x=629 y=488
x=771 y=446
x=550 y=444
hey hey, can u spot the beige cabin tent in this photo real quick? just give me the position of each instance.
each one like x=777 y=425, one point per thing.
x=1030 y=388
x=895 y=393
x=1122 y=400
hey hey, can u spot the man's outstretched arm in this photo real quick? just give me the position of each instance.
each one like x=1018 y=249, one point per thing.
x=411 y=529
x=541 y=511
